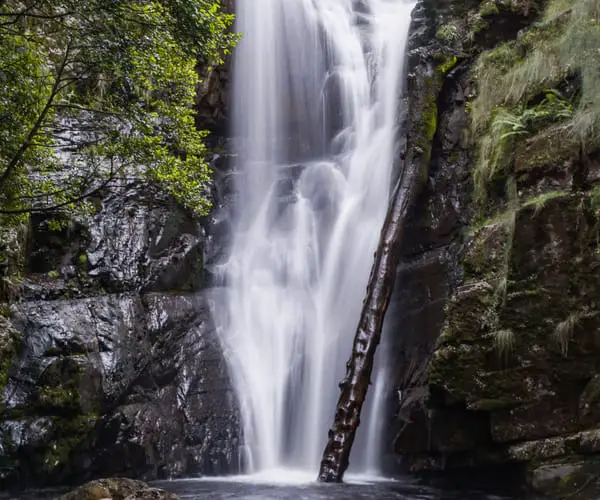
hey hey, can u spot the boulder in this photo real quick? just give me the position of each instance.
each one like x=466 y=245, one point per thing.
x=118 y=489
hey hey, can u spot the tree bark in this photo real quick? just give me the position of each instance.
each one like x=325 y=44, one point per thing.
x=368 y=334
x=423 y=87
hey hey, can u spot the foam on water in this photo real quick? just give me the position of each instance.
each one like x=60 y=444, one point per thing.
x=291 y=477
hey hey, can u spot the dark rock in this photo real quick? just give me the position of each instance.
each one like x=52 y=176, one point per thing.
x=140 y=381
x=152 y=494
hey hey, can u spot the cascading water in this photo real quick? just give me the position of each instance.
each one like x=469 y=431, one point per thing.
x=316 y=99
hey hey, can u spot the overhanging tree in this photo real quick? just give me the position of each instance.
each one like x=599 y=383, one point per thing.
x=91 y=92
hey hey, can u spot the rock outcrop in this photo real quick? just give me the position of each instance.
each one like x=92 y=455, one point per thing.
x=109 y=362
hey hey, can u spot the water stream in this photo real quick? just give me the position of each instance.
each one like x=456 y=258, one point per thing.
x=316 y=102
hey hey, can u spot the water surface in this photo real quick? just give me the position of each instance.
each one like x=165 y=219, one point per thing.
x=355 y=488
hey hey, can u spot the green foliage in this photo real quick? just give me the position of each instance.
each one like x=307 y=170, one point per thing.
x=511 y=224
x=13 y=235
x=595 y=199
x=91 y=92
x=448 y=33
x=489 y=8
x=539 y=202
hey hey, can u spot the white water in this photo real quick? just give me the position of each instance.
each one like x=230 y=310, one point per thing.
x=316 y=97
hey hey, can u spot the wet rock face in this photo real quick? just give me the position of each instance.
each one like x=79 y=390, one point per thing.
x=115 y=367
x=429 y=268
x=142 y=241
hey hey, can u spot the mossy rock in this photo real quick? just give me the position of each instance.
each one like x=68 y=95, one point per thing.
x=53 y=457
x=573 y=477
x=58 y=389
x=488 y=9
x=466 y=314
x=453 y=369
x=486 y=249
x=551 y=148
x=118 y=489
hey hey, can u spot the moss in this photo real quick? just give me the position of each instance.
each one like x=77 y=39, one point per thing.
x=428 y=122
x=429 y=114
x=552 y=147
x=539 y=201
x=443 y=374
x=486 y=250
x=448 y=64
x=53 y=274
x=8 y=349
x=595 y=199
x=58 y=390
x=64 y=399
x=479 y=26
x=488 y=9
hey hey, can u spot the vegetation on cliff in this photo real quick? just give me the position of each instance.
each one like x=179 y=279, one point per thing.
x=94 y=92
x=546 y=81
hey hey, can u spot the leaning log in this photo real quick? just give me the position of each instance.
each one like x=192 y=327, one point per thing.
x=423 y=86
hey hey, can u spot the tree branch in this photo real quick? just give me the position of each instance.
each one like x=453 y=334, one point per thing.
x=56 y=89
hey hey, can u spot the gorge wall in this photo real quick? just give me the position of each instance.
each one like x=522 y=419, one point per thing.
x=109 y=363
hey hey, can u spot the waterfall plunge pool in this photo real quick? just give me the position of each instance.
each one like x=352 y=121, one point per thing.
x=292 y=484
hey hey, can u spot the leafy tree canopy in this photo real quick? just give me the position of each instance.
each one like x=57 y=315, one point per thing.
x=94 y=91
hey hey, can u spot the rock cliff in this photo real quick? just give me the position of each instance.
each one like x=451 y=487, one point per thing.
x=496 y=334
x=110 y=363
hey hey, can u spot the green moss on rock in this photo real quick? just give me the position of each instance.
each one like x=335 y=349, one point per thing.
x=68 y=434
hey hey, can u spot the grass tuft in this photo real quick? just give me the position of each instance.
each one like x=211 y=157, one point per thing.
x=504 y=341
x=564 y=331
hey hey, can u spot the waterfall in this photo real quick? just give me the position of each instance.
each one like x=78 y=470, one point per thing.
x=317 y=87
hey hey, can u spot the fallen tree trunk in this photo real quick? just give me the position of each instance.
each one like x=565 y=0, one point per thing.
x=422 y=88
